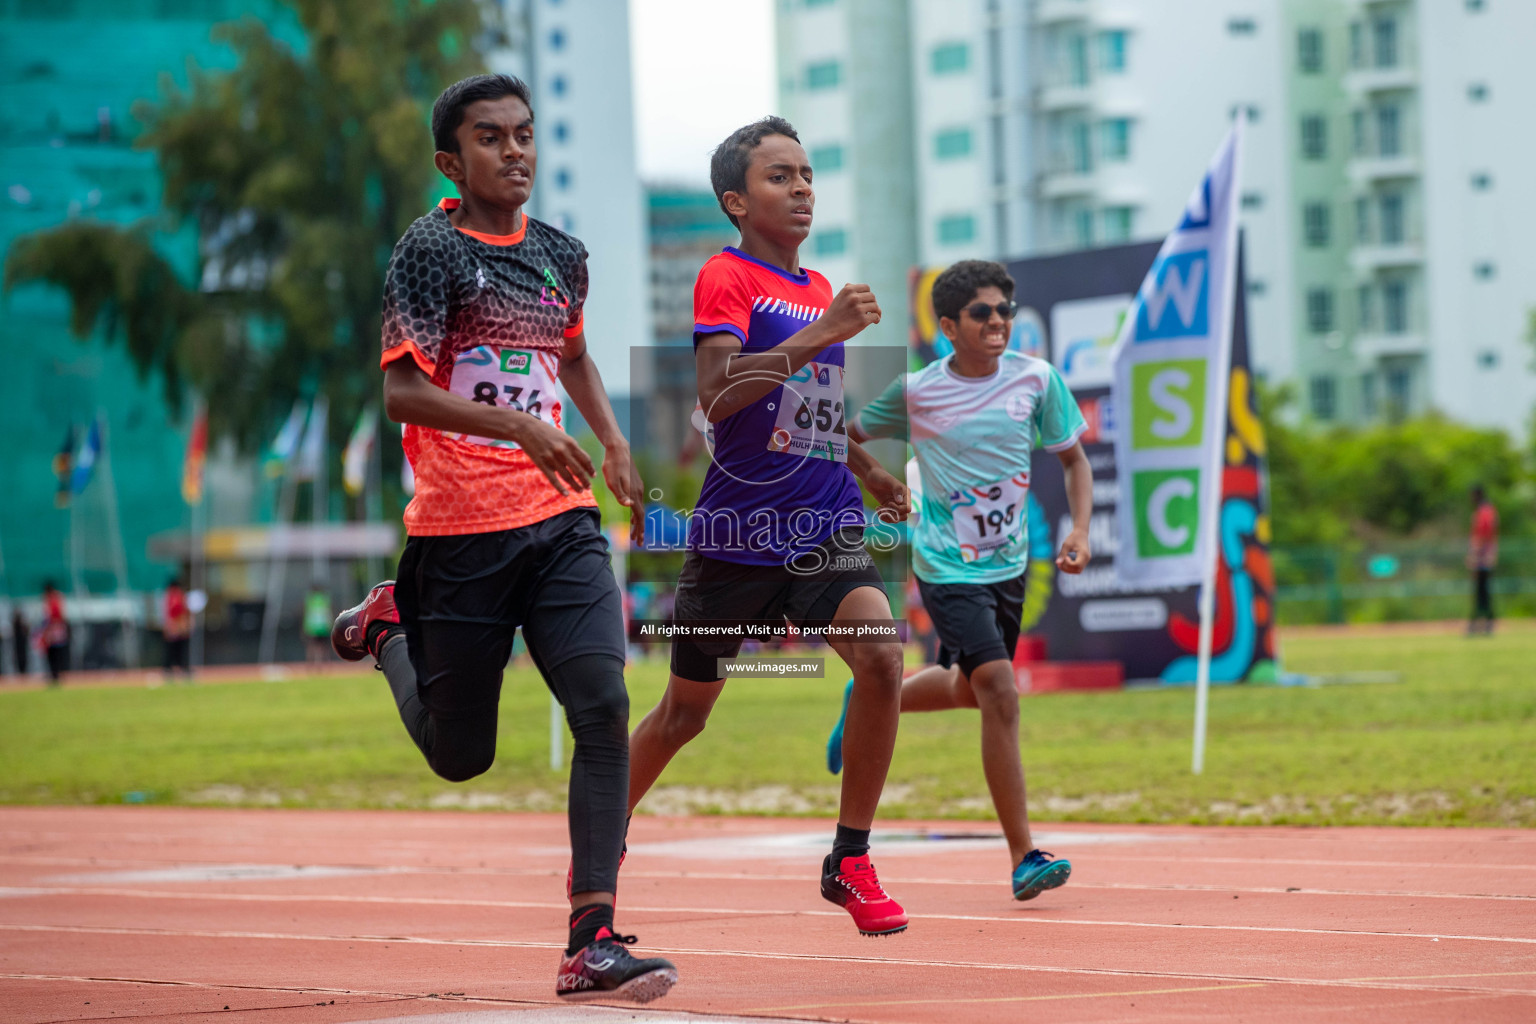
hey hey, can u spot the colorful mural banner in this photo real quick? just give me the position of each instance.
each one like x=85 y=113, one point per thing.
x=1171 y=361
x=1081 y=299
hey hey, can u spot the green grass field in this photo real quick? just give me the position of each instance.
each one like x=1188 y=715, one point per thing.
x=1452 y=743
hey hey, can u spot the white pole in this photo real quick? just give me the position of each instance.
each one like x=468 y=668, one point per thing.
x=198 y=583
x=115 y=538
x=277 y=564
x=556 y=735
x=1210 y=516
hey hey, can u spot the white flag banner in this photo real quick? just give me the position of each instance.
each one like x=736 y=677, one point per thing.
x=1171 y=364
x=354 y=460
x=312 y=448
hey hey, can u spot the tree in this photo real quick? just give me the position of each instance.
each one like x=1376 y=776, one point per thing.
x=299 y=168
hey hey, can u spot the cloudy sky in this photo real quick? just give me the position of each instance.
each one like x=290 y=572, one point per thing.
x=702 y=69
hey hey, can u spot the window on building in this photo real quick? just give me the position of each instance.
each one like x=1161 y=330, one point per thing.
x=557 y=39
x=820 y=3
x=957 y=229
x=1253 y=200
x=1323 y=399
x=1389 y=139
x=1075 y=57
x=1482 y=181
x=1474 y=6
x=1314 y=137
x=1485 y=271
x=1384 y=42
x=825 y=74
x=1363 y=220
x=1115 y=138
x=1309 y=50
x=952 y=144
x=1358 y=139
x=557 y=85
x=562 y=131
x=1365 y=301
x=1368 y=394
x=1112 y=46
x=1082 y=228
x=1119 y=223
x=1242 y=26
x=826 y=159
x=563 y=179
x=1081 y=143
x=1477 y=92
x=1394 y=307
x=950 y=58
x=1399 y=382
x=1356 y=45
x=1393 y=229
x=1315 y=227
x=1258 y=287
x=1487 y=359
x=832 y=242
x=1320 y=310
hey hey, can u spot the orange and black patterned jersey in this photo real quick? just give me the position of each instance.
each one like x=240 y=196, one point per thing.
x=485 y=317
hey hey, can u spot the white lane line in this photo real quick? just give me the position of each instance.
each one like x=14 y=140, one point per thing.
x=1403 y=984
x=738 y=912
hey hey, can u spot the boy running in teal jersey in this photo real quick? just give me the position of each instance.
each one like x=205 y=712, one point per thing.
x=974 y=418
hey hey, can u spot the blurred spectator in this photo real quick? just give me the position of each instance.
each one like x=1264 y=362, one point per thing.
x=53 y=638
x=317 y=625
x=176 y=628
x=21 y=634
x=1482 y=556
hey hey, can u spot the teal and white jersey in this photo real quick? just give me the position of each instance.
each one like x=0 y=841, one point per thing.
x=974 y=437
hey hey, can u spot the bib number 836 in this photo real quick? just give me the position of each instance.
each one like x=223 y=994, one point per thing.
x=486 y=393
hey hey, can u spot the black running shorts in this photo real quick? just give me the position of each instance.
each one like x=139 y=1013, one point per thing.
x=976 y=622
x=714 y=590
x=552 y=578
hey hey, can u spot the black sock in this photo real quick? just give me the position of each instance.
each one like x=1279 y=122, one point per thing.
x=850 y=842
x=374 y=638
x=585 y=921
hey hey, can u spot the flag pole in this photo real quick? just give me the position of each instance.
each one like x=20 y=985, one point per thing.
x=115 y=539
x=1210 y=516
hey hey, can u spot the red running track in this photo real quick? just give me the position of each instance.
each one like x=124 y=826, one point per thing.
x=168 y=914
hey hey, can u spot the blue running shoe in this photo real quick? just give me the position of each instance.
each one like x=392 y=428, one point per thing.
x=835 y=741
x=1037 y=872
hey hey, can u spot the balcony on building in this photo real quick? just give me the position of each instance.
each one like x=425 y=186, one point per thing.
x=1382 y=50
x=1056 y=12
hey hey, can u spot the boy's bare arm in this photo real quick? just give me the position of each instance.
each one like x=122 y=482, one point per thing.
x=410 y=397
x=578 y=372
x=729 y=381
x=1075 y=552
x=894 y=501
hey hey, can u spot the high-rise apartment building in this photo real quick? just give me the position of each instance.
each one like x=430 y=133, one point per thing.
x=1414 y=269
x=1384 y=232
x=574 y=54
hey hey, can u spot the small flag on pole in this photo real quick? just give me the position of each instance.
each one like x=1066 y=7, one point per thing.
x=63 y=467
x=197 y=457
x=287 y=440
x=307 y=466
x=354 y=462
x=85 y=460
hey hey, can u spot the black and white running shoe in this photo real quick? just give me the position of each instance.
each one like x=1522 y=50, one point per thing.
x=603 y=969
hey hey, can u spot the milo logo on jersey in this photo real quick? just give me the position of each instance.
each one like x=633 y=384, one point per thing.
x=513 y=361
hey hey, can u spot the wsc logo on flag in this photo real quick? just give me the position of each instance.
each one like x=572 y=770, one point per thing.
x=1177 y=305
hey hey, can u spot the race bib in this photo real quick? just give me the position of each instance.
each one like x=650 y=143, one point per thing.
x=810 y=421
x=988 y=518
x=521 y=379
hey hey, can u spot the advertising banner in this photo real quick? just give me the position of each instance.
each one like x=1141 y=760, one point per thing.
x=1071 y=311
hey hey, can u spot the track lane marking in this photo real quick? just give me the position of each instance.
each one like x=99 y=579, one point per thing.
x=863 y=961
x=739 y=912
x=1002 y=999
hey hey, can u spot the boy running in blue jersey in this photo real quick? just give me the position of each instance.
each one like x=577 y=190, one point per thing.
x=974 y=417
x=779 y=530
